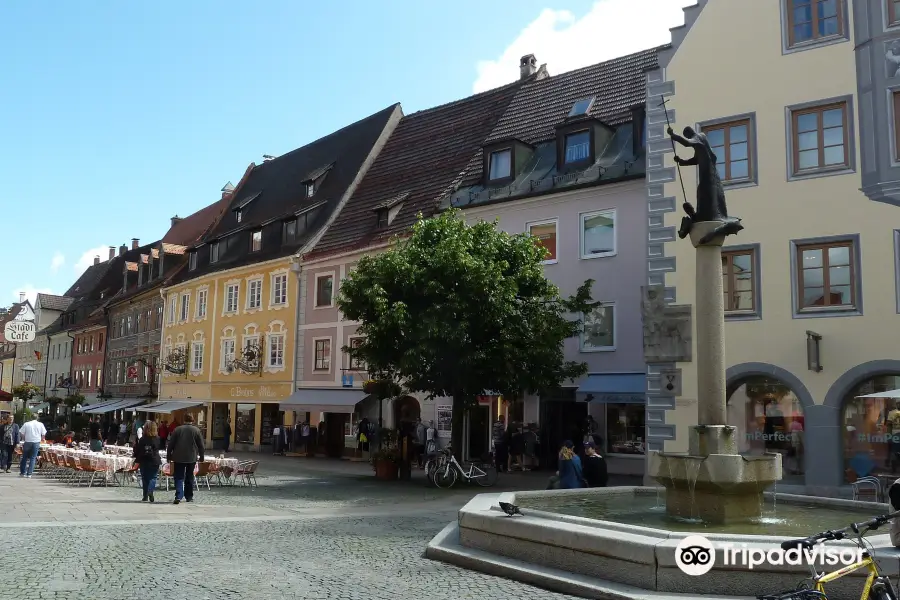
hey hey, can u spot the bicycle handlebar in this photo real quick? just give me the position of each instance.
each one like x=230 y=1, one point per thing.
x=859 y=529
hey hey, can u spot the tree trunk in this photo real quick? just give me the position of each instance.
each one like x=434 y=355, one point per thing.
x=456 y=433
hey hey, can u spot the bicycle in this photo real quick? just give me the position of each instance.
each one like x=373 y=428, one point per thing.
x=447 y=471
x=877 y=586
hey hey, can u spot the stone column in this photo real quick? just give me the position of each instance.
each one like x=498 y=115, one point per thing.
x=710 y=319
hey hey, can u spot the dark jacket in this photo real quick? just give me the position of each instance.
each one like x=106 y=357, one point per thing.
x=185 y=444
x=594 y=468
x=146 y=451
x=15 y=433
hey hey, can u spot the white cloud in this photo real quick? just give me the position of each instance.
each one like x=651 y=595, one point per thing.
x=87 y=259
x=57 y=261
x=31 y=292
x=610 y=29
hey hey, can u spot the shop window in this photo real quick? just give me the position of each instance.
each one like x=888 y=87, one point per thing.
x=626 y=427
x=545 y=232
x=598 y=234
x=871 y=429
x=271 y=418
x=769 y=418
x=246 y=420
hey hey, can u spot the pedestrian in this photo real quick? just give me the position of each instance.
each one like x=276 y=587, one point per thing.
x=569 y=474
x=529 y=442
x=227 y=434
x=420 y=442
x=146 y=455
x=498 y=434
x=163 y=432
x=594 y=467
x=32 y=433
x=123 y=432
x=516 y=445
x=94 y=435
x=184 y=449
x=9 y=438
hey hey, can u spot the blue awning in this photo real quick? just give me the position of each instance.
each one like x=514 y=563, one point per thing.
x=614 y=388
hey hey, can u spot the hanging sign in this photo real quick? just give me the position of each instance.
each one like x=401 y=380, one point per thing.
x=20 y=332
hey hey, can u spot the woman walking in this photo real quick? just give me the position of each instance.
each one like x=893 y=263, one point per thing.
x=146 y=455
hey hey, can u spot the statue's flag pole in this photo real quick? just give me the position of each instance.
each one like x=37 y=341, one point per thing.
x=664 y=104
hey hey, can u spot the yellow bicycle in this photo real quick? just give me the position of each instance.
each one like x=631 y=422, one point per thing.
x=877 y=586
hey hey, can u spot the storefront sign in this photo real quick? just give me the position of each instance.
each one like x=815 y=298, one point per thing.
x=20 y=332
x=251 y=393
x=185 y=391
x=619 y=398
x=444 y=415
x=261 y=392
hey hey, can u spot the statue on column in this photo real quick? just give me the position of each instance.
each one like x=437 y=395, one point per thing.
x=710 y=193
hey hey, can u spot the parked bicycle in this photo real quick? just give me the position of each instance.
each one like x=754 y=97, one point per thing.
x=446 y=471
x=876 y=586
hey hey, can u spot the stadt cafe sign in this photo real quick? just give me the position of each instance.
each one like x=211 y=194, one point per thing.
x=20 y=332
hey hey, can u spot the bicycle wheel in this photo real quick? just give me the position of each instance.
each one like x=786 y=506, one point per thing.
x=446 y=477
x=489 y=478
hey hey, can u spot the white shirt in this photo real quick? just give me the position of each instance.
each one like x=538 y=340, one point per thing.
x=32 y=431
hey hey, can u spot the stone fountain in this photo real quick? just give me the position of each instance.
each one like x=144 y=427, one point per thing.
x=712 y=482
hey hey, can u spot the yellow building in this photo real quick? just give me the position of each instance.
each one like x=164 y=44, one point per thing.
x=230 y=322
x=799 y=104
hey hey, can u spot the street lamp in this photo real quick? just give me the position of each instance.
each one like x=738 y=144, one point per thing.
x=28 y=371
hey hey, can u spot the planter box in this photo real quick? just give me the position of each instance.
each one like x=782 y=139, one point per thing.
x=386 y=470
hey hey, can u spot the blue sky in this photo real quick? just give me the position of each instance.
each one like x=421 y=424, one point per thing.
x=118 y=115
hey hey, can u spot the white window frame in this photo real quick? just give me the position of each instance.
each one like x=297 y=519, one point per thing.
x=214 y=251
x=253 y=235
x=327 y=358
x=270 y=343
x=251 y=281
x=226 y=308
x=581 y=221
x=227 y=357
x=551 y=221
x=184 y=314
x=173 y=310
x=202 y=303
x=350 y=367
x=273 y=277
x=612 y=348
x=197 y=351
x=324 y=275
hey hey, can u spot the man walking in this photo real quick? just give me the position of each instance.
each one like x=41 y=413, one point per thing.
x=9 y=439
x=184 y=449
x=32 y=434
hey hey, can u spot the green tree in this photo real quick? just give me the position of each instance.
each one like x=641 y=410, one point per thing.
x=457 y=310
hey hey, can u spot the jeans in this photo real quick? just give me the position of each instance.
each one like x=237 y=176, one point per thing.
x=184 y=480
x=149 y=473
x=6 y=456
x=29 y=456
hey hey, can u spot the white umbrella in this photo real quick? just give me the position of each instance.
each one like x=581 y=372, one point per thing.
x=887 y=394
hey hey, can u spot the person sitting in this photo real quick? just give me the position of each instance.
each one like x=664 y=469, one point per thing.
x=569 y=475
x=594 y=466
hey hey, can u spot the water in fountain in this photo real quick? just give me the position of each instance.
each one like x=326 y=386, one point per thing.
x=692 y=480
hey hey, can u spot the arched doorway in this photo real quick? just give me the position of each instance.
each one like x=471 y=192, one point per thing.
x=406 y=411
x=769 y=417
x=870 y=429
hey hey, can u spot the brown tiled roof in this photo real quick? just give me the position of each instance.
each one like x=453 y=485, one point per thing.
x=51 y=302
x=187 y=231
x=424 y=158
x=618 y=85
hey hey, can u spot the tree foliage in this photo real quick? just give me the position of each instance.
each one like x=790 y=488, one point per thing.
x=458 y=310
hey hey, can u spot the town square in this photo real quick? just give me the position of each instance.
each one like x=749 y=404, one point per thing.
x=492 y=300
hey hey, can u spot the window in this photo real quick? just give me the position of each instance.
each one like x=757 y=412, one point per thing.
x=92 y=343
x=159 y=317
x=185 y=306
x=310 y=189
x=290 y=230
x=245 y=423
x=100 y=343
x=214 y=252
x=739 y=280
x=90 y=377
x=173 y=307
x=192 y=261
x=625 y=428
x=381 y=218
x=811 y=21
x=578 y=147
x=895 y=96
x=254 y=294
x=122 y=333
x=324 y=290
x=599 y=329
x=202 y=295
x=196 y=357
x=355 y=363
x=256 y=241
x=500 y=164
x=276 y=350
x=545 y=232
x=893 y=12
x=323 y=355
x=239 y=215
x=598 y=234
x=279 y=289
x=231 y=298
x=227 y=352
x=581 y=107
x=826 y=276
x=731 y=144
x=819 y=138
x=99 y=376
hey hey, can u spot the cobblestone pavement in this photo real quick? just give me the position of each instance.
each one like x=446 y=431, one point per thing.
x=303 y=533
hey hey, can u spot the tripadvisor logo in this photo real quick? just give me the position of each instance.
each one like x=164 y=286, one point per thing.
x=696 y=555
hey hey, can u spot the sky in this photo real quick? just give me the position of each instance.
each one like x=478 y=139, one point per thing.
x=117 y=116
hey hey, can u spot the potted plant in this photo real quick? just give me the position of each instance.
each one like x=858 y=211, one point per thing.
x=386 y=463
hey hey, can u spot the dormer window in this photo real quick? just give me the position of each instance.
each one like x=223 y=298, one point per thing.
x=214 y=252
x=238 y=214
x=581 y=107
x=310 y=189
x=387 y=211
x=578 y=147
x=500 y=165
x=290 y=231
x=192 y=261
x=256 y=241
x=381 y=218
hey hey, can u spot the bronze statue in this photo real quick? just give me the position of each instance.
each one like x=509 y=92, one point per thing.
x=710 y=194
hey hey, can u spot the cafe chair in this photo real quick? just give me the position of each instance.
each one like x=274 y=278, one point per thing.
x=88 y=469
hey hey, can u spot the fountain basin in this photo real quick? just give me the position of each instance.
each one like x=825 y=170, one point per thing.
x=635 y=560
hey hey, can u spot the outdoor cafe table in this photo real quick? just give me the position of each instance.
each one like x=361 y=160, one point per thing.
x=108 y=462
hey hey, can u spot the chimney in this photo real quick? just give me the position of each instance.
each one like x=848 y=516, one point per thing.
x=97 y=260
x=112 y=252
x=135 y=243
x=122 y=249
x=21 y=297
x=527 y=66
x=176 y=220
